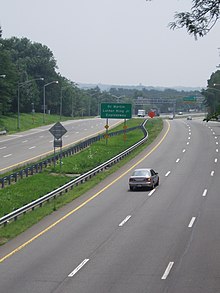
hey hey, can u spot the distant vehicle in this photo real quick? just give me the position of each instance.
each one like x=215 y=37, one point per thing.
x=171 y=117
x=180 y=113
x=156 y=111
x=189 y=118
x=141 y=113
x=143 y=178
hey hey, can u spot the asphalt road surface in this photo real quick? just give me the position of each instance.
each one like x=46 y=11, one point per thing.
x=35 y=144
x=113 y=240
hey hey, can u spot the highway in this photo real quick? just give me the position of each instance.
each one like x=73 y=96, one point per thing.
x=35 y=144
x=112 y=240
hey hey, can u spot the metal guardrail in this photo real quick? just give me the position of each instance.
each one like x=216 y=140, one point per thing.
x=69 y=186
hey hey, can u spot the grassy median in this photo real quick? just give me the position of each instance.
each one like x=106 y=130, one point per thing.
x=31 y=188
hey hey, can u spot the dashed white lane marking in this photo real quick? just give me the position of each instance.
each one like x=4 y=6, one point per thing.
x=177 y=160
x=4 y=147
x=167 y=271
x=184 y=150
x=33 y=147
x=212 y=173
x=216 y=160
x=7 y=155
x=187 y=142
x=78 y=268
x=24 y=141
x=168 y=173
x=192 y=222
x=216 y=142
x=124 y=221
x=189 y=137
x=216 y=150
x=205 y=192
x=215 y=137
x=151 y=192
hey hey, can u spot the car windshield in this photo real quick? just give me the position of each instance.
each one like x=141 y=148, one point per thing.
x=141 y=173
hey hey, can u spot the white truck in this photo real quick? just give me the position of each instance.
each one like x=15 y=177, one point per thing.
x=141 y=113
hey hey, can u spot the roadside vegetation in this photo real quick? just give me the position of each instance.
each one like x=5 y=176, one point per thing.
x=31 y=188
x=27 y=121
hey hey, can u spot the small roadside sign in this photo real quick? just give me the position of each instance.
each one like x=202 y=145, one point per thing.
x=58 y=130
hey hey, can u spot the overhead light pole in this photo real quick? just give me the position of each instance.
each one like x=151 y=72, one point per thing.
x=118 y=97
x=20 y=84
x=44 y=94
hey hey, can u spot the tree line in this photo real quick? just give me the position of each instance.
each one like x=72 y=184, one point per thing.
x=28 y=74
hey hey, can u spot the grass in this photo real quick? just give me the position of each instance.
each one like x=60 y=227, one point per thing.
x=27 y=121
x=33 y=187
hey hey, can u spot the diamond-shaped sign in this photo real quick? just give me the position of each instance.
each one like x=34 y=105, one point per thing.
x=58 y=130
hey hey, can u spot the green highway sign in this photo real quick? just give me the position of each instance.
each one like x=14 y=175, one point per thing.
x=116 y=110
x=189 y=99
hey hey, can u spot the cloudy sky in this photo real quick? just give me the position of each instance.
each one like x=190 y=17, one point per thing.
x=120 y=42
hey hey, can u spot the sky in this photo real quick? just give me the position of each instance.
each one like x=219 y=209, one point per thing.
x=115 y=42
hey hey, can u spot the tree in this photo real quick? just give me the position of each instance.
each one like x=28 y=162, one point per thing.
x=200 y=20
x=212 y=96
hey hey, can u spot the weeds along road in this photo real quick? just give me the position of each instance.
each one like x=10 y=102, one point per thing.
x=112 y=240
x=36 y=143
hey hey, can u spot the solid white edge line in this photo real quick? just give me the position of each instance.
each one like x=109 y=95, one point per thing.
x=151 y=192
x=205 y=192
x=168 y=173
x=78 y=268
x=124 y=221
x=167 y=271
x=191 y=222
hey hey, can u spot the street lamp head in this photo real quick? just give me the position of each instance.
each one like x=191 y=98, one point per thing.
x=3 y=75
x=216 y=84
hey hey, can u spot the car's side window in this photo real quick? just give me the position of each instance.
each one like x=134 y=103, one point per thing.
x=152 y=172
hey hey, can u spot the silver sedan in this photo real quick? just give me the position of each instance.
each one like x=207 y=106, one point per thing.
x=144 y=178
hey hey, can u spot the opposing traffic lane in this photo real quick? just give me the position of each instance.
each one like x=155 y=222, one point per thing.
x=36 y=143
x=122 y=241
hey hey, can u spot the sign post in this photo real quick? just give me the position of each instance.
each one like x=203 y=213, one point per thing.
x=58 y=130
x=116 y=111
